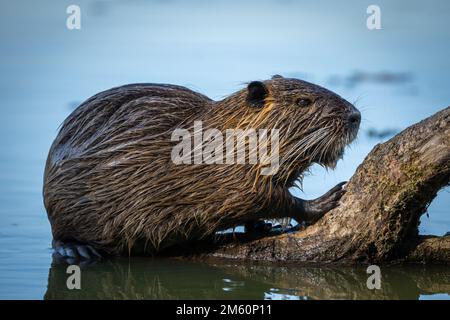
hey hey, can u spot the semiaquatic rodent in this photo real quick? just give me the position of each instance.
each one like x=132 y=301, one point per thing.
x=110 y=182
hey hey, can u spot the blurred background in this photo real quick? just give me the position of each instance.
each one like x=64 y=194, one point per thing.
x=396 y=76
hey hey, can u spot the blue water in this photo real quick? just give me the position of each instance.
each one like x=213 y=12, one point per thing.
x=213 y=47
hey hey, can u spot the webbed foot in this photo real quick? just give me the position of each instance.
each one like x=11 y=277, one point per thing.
x=73 y=252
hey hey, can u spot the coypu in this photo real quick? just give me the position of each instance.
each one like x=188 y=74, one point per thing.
x=110 y=186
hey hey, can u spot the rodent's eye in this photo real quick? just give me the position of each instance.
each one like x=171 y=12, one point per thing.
x=303 y=102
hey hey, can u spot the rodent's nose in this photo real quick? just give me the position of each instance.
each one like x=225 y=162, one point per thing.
x=354 y=118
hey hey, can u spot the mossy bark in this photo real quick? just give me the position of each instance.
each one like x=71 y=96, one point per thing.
x=378 y=219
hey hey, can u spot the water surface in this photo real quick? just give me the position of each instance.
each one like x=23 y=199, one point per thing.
x=143 y=278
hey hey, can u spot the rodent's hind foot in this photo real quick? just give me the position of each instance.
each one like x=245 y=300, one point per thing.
x=257 y=226
x=261 y=227
x=73 y=252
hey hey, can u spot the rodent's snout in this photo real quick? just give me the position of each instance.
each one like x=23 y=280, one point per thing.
x=354 y=118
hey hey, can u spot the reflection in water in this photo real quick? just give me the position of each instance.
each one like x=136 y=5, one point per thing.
x=141 y=278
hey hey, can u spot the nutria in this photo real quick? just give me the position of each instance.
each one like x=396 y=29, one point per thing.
x=110 y=183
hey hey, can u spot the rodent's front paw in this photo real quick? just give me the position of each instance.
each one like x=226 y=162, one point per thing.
x=329 y=200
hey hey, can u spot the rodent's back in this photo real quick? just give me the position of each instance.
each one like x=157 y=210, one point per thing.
x=102 y=145
x=136 y=104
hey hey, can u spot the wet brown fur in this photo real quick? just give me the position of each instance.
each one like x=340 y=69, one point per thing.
x=110 y=182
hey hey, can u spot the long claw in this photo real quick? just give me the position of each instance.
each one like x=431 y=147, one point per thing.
x=83 y=252
x=95 y=252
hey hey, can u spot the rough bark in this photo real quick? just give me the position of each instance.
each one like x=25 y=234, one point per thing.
x=378 y=218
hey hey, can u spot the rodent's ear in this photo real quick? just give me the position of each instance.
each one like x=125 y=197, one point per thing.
x=256 y=93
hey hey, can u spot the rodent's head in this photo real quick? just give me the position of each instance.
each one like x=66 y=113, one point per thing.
x=314 y=123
